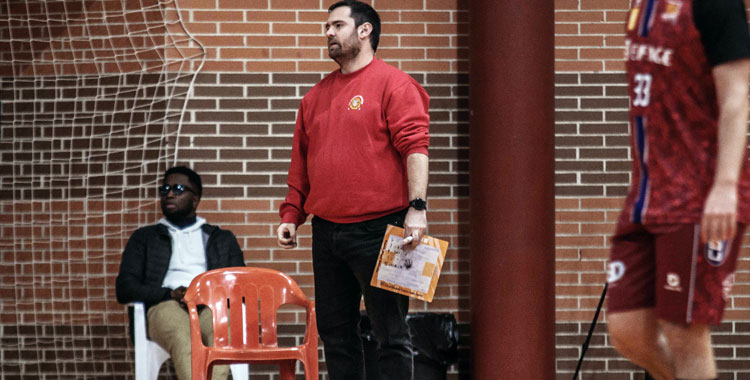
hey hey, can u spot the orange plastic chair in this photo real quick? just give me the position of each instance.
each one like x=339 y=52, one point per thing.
x=252 y=297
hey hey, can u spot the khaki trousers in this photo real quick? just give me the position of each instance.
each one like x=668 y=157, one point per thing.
x=169 y=326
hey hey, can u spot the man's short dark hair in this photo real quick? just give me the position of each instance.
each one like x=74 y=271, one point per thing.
x=362 y=13
x=192 y=176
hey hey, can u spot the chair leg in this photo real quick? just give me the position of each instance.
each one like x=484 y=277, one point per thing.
x=311 y=370
x=198 y=368
x=287 y=369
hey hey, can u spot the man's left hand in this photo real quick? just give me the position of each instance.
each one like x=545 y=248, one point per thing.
x=415 y=225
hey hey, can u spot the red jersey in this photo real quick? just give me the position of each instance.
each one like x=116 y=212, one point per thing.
x=353 y=134
x=674 y=111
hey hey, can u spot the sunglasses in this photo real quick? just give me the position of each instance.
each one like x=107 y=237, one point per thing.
x=176 y=189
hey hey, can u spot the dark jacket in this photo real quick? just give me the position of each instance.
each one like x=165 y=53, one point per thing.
x=146 y=259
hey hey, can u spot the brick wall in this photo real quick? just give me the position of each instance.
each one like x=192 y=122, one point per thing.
x=87 y=127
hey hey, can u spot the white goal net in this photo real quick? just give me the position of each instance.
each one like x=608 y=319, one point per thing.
x=93 y=96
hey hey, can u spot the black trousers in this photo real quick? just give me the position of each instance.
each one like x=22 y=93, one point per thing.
x=344 y=257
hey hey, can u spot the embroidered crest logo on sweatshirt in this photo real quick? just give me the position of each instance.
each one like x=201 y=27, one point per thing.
x=356 y=102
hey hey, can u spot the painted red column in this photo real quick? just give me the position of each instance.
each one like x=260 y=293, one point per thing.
x=512 y=189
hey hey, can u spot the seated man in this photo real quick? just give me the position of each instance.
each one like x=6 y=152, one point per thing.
x=161 y=260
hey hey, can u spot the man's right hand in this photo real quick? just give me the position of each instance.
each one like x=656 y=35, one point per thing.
x=287 y=235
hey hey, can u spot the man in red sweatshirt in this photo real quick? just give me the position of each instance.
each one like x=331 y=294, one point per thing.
x=359 y=163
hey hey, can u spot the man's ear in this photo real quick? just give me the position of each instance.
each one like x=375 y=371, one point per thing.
x=364 y=30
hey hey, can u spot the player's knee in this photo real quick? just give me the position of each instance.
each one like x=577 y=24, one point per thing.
x=625 y=337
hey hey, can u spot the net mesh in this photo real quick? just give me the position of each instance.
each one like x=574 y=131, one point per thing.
x=93 y=96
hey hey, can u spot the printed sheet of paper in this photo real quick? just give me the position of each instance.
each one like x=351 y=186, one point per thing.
x=414 y=272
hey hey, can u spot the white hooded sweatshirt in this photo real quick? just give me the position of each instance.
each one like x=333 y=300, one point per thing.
x=188 y=254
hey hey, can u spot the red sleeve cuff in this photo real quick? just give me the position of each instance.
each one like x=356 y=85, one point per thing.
x=418 y=149
x=294 y=218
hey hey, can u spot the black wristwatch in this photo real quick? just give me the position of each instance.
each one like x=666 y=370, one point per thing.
x=418 y=204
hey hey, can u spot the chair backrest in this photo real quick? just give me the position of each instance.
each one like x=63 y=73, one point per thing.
x=261 y=291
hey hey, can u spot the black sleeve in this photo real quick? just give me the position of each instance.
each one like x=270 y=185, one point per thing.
x=129 y=286
x=723 y=28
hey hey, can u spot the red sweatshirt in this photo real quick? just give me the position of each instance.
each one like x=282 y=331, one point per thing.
x=353 y=134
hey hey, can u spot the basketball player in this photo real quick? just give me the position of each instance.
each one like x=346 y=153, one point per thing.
x=676 y=243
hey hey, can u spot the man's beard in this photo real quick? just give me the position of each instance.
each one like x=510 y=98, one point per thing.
x=340 y=54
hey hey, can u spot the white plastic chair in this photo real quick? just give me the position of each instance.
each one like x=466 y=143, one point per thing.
x=149 y=355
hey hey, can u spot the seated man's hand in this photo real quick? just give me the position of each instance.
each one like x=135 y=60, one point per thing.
x=178 y=294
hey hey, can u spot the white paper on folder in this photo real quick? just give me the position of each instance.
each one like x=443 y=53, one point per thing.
x=407 y=269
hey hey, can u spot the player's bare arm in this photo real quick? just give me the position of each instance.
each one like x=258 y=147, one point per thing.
x=720 y=211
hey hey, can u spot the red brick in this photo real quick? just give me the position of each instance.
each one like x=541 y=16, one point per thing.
x=595 y=253
x=237 y=204
x=427 y=17
x=618 y=16
x=578 y=66
x=567 y=253
x=430 y=66
x=317 y=66
x=221 y=40
x=447 y=54
x=579 y=17
x=244 y=28
x=426 y=41
x=566 y=4
x=399 y=4
x=295 y=53
x=579 y=216
x=401 y=53
x=314 y=16
x=614 y=66
x=243 y=4
x=579 y=41
x=602 y=53
x=267 y=66
x=223 y=66
x=567 y=228
x=602 y=203
x=244 y=53
x=450 y=28
x=561 y=29
x=566 y=53
x=600 y=28
x=605 y=4
x=293 y=4
x=271 y=16
x=217 y=16
x=579 y=266
x=579 y=241
x=598 y=228
x=297 y=28
x=566 y=278
x=406 y=28
x=273 y=41
x=577 y=290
